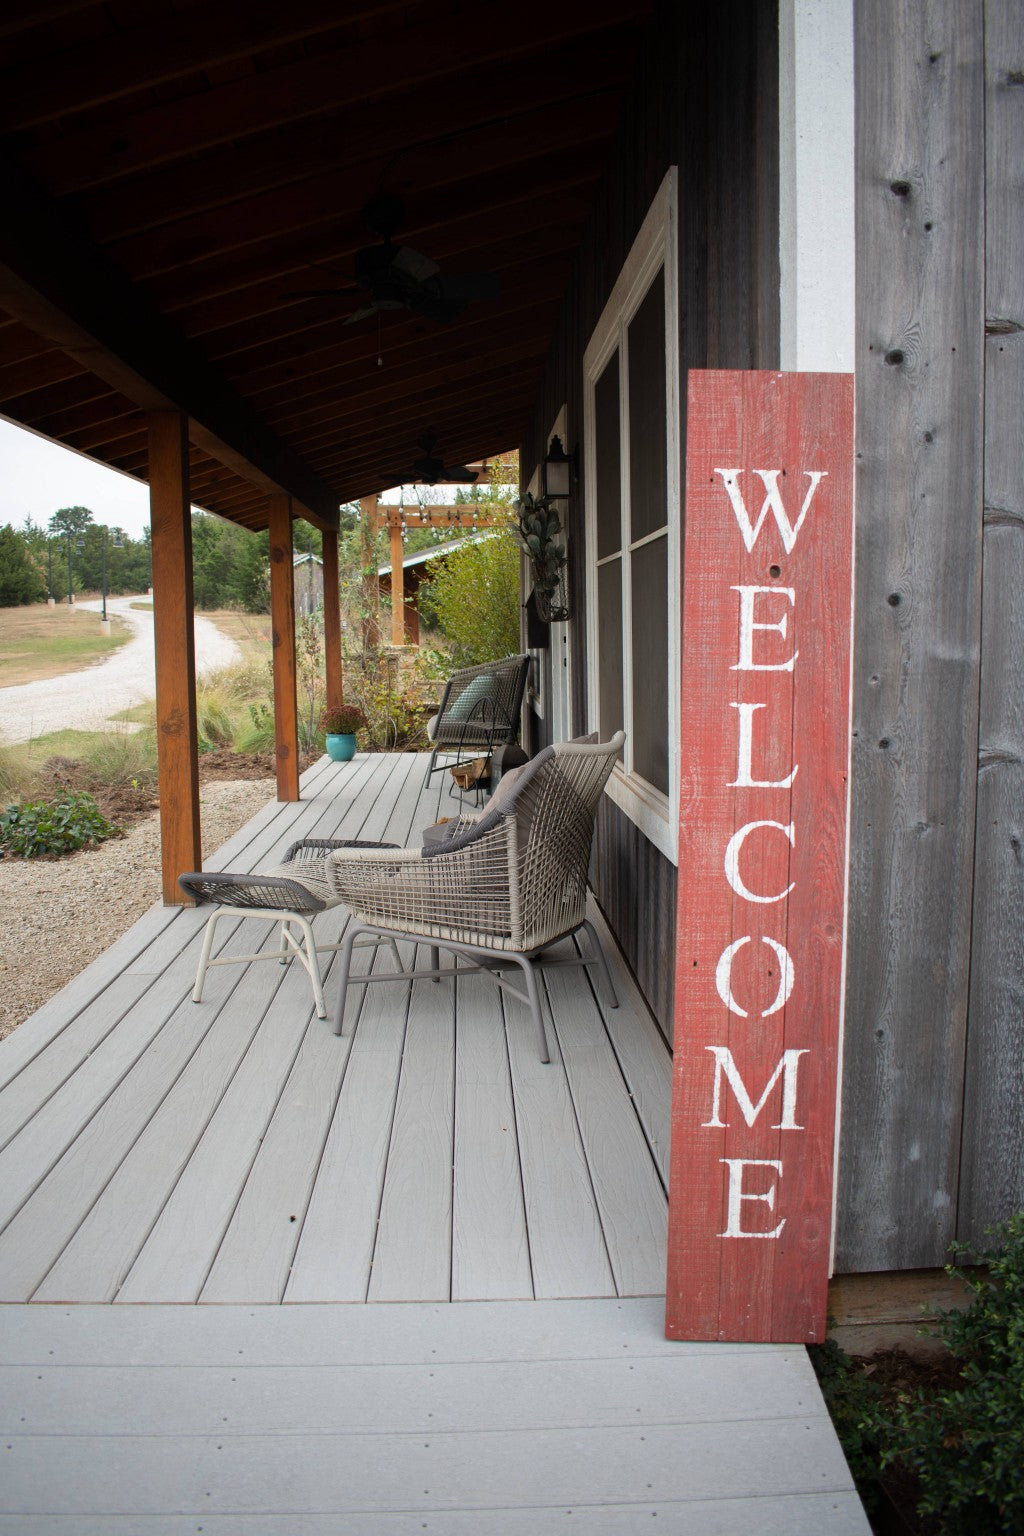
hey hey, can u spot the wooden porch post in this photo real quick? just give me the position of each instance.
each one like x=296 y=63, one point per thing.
x=282 y=619
x=371 y=585
x=397 y=586
x=332 y=622
x=174 y=639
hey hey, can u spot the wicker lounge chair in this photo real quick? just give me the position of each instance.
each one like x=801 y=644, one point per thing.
x=290 y=894
x=498 y=890
x=479 y=712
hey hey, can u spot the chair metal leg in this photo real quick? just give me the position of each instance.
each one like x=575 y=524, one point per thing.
x=312 y=965
x=344 y=963
x=285 y=949
x=204 y=957
x=536 y=1006
x=602 y=961
x=435 y=962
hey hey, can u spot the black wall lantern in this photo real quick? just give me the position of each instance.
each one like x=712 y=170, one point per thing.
x=558 y=470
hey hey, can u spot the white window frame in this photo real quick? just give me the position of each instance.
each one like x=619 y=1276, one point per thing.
x=656 y=246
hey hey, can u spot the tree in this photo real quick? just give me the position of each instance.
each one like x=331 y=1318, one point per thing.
x=474 y=596
x=20 y=579
x=71 y=522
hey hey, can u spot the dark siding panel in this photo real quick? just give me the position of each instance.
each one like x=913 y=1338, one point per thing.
x=992 y=1176
x=920 y=188
x=706 y=101
x=635 y=886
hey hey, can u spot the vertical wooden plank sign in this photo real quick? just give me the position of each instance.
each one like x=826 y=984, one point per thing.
x=762 y=853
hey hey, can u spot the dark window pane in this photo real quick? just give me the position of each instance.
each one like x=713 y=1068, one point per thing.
x=650 y=662
x=608 y=460
x=609 y=647
x=647 y=440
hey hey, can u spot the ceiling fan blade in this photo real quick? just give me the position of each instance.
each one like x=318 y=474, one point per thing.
x=361 y=313
x=413 y=264
x=461 y=474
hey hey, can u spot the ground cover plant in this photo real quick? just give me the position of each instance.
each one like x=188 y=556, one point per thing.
x=937 y=1447
x=38 y=828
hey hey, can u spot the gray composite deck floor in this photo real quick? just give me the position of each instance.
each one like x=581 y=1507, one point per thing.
x=155 y=1152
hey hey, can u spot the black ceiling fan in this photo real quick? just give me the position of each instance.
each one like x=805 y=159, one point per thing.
x=397 y=277
x=431 y=470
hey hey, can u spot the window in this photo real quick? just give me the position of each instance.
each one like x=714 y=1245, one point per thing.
x=631 y=438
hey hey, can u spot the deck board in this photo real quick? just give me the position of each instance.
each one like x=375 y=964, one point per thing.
x=237 y=1150
x=509 y=1417
x=238 y=1154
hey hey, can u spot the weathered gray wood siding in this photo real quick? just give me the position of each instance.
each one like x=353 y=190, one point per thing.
x=932 y=1143
x=933 y=1049
x=992 y=1173
x=705 y=100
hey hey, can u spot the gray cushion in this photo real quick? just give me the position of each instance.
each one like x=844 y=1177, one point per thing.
x=476 y=689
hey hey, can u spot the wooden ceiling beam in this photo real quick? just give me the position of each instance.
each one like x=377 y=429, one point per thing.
x=91 y=413
x=476 y=373
x=177 y=44
x=33 y=407
x=401 y=345
x=288 y=257
x=460 y=431
x=19 y=15
x=292 y=376
x=51 y=367
x=55 y=282
x=490 y=154
x=395 y=126
x=424 y=55
x=256 y=314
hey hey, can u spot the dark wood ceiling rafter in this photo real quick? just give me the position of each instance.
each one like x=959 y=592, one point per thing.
x=458 y=380
x=21 y=15
x=266 y=311
x=56 y=283
x=297 y=377
x=97 y=155
x=227 y=175
x=203 y=282
x=118 y=65
x=259 y=166
x=340 y=197
x=348 y=358
x=106 y=408
x=35 y=406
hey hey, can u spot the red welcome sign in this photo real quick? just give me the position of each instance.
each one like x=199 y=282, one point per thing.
x=762 y=853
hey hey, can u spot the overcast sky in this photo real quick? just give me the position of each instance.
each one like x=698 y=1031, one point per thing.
x=37 y=477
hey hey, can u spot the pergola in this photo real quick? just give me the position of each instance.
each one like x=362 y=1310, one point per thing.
x=180 y=187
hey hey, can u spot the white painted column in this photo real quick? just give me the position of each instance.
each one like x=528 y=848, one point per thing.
x=816 y=179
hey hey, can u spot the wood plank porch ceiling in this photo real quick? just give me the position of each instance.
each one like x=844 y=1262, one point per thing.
x=176 y=177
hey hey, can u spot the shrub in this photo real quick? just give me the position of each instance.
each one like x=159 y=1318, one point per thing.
x=853 y=1401
x=966 y=1443
x=396 y=695
x=55 y=826
x=119 y=758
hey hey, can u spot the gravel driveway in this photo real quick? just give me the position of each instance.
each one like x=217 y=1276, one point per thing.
x=87 y=699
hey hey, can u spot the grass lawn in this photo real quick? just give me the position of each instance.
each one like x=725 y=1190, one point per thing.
x=37 y=642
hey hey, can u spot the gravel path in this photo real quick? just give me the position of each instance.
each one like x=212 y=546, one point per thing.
x=85 y=700
x=59 y=914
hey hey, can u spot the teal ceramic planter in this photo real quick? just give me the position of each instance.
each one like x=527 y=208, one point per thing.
x=341 y=749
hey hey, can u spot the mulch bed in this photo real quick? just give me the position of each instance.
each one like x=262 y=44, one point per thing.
x=127 y=803
x=899 y=1375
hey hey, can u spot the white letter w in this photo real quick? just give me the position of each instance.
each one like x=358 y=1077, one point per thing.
x=772 y=502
